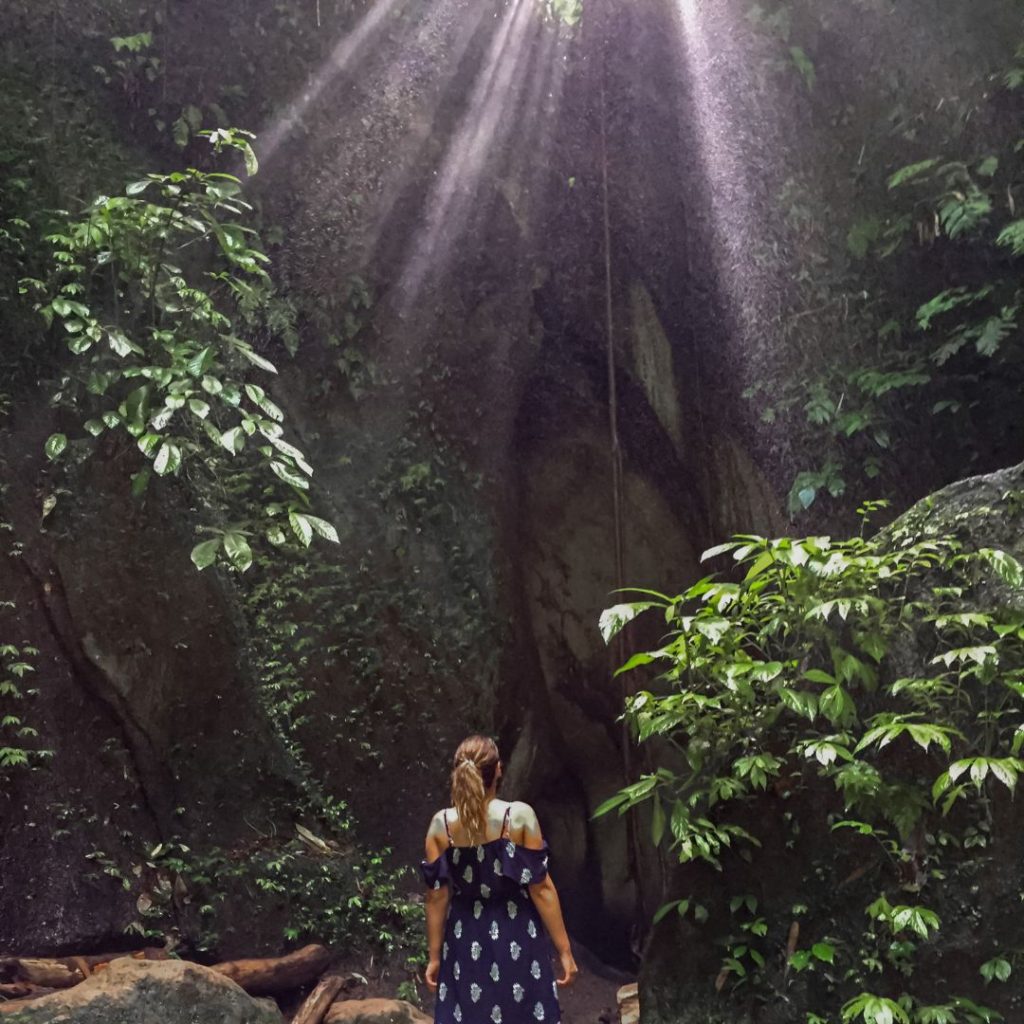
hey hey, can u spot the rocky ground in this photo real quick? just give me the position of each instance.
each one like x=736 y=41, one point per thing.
x=305 y=987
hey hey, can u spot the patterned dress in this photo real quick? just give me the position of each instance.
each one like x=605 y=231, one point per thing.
x=496 y=957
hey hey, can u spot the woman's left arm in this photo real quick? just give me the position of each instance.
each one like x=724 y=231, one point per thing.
x=436 y=904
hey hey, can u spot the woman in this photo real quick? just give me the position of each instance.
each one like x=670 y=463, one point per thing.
x=489 y=901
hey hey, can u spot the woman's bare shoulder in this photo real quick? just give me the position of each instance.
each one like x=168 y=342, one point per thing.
x=523 y=816
x=438 y=822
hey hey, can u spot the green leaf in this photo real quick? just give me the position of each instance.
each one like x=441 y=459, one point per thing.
x=804 y=65
x=657 y=821
x=643 y=658
x=758 y=566
x=610 y=804
x=168 y=459
x=289 y=476
x=140 y=481
x=233 y=440
x=997 y=969
x=988 y=167
x=614 y=619
x=837 y=706
x=259 y=398
x=800 y=701
x=255 y=358
x=181 y=132
x=862 y=236
x=80 y=344
x=237 y=548
x=121 y=344
x=720 y=549
x=1012 y=237
x=824 y=952
x=912 y=171
x=874 y=1010
x=205 y=554
x=201 y=362
x=948 y=300
x=301 y=527
x=194 y=116
x=1007 y=567
x=95 y=427
x=322 y=528
x=148 y=444
x=138 y=187
x=55 y=446
x=666 y=909
x=252 y=165
x=816 y=675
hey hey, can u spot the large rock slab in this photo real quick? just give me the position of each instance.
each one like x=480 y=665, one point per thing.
x=150 y=992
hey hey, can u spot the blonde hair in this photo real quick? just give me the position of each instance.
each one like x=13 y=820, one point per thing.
x=473 y=771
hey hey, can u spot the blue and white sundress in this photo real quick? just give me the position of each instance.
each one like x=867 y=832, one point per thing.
x=496 y=956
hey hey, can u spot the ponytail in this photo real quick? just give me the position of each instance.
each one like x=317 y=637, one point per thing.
x=476 y=762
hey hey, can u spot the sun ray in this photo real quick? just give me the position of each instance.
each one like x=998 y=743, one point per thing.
x=495 y=97
x=345 y=54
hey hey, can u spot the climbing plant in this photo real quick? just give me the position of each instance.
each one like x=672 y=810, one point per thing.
x=19 y=746
x=154 y=291
x=853 y=694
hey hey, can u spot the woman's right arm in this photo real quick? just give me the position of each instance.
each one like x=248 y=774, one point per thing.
x=545 y=899
x=435 y=902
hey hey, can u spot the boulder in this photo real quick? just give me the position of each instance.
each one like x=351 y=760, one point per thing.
x=375 y=1011
x=148 y=992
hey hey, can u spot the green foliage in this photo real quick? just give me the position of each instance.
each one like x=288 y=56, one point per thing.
x=153 y=291
x=19 y=746
x=905 y=320
x=791 y=680
x=333 y=890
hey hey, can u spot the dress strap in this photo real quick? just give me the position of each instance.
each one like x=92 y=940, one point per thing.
x=505 y=823
x=447 y=830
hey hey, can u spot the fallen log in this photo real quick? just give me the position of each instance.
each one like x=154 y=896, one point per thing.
x=318 y=1002
x=94 y=960
x=263 y=977
x=48 y=973
x=64 y=971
